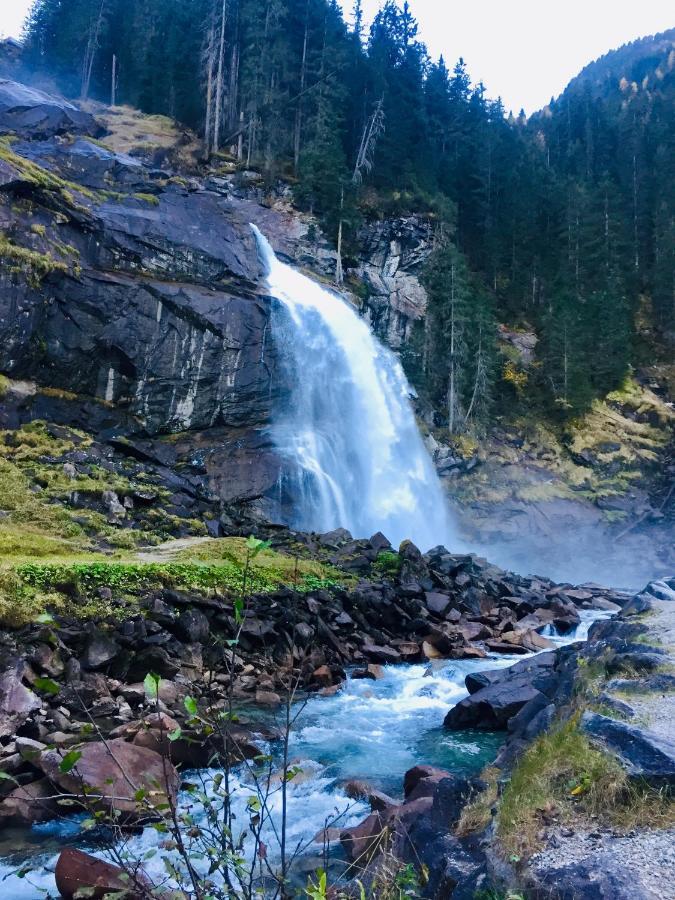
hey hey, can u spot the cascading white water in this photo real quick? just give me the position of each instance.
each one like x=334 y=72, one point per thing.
x=348 y=429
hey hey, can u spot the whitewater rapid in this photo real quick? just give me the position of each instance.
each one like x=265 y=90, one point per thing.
x=355 y=456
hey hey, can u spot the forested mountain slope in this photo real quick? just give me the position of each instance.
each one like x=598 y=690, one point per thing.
x=523 y=269
x=562 y=224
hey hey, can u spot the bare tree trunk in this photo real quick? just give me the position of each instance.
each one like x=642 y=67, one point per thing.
x=298 y=112
x=90 y=51
x=452 y=404
x=209 y=90
x=339 y=274
x=219 y=79
x=113 y=81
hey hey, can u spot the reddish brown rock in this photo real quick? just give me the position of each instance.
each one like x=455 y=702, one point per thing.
x=363 y=841
x=418 y=773
x=322 y=676
x=113 y=772
x=79 y=874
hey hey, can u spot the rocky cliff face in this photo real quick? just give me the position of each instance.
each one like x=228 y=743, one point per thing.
x=393 y=253
x=136 y=290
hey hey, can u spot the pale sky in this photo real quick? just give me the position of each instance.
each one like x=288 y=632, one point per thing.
x=524 y=50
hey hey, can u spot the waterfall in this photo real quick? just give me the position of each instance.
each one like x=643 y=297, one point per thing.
x=347 y=430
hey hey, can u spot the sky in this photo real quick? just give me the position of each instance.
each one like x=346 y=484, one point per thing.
x=525 y=51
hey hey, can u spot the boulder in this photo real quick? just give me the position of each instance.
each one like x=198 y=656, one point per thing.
x=113 y=772
x=381 y=654
x=17 y=702
x=32 y=113
x=99 y=652
x=361 y=842
x=436 y=603
x=645 y=756
x=192 y=626
x=491 y=708
x=79 y=874
x=417 y=774
x=30 y=804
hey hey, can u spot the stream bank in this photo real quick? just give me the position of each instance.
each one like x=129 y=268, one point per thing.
x=368 y=733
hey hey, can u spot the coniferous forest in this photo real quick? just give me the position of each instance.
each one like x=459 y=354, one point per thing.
x=563 y=223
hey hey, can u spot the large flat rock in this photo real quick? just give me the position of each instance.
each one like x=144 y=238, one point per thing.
x=32 y=113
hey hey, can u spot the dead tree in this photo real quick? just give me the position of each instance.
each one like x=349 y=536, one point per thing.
x=90 y=50
x=372 y=131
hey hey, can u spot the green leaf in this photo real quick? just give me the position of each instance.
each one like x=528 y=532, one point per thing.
x=69 y=761
x=175 y=735
x=151 y=684
x=190 y=705
x=256 y=546
x=48 y=685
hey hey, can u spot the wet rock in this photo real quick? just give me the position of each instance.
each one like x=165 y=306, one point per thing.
x=267 y=698
x=361 y=842
x=362 y=790
x=322 y=676
x=417 y=774
x=381 y=654
x=79 y=874
x=491 y=707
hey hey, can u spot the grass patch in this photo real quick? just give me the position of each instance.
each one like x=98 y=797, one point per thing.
x=387 y=563
x=559 y=771
x=150 y=199
x=562 y=777
x=272 y=567
x=32 y=265
x=477 y=815
x=71 y=586
x=42 y=178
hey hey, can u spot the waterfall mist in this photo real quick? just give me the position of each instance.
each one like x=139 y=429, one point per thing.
x=356 y=457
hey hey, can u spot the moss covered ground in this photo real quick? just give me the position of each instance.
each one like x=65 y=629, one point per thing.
x=605 y=454
x=56 y=554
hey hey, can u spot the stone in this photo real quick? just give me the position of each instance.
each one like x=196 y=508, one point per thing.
x=490 y=708
x=30 y=804
x=79 y=874
x=115 y=771
x=99 y=652
x=267 y=698
x=48 y=660
x=414 y=776
x=28 y=749
x=646 y=756
x=437 y=603
x=362 y=841
x=17 y=702
x=381 y=654
x=192 y=626
x=322 y=676
x=32 y=113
